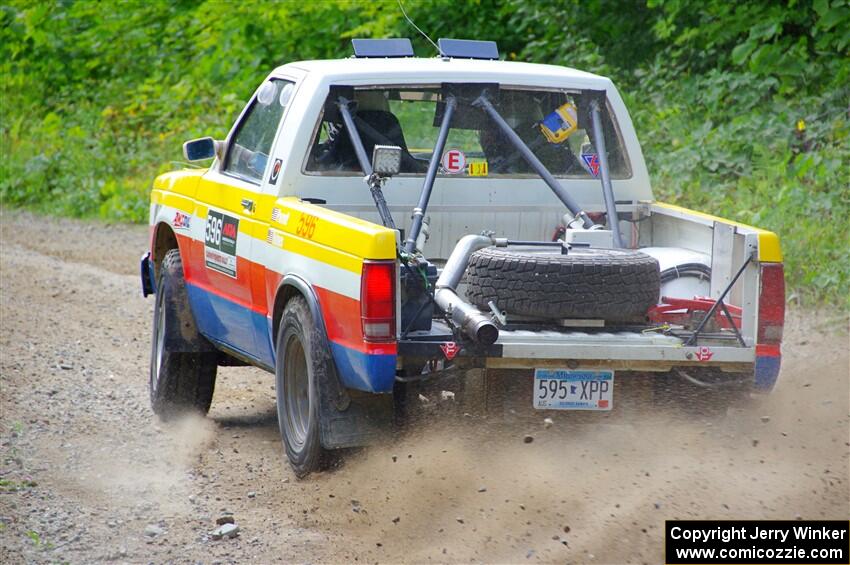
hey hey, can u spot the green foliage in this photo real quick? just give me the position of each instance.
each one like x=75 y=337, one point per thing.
x=97 y=99
x=36 y=540
x=9 y=485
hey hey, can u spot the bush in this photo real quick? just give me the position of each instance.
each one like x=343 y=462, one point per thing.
x=746 y=120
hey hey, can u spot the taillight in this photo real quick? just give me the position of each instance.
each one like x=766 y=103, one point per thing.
x=771 y=304
x=377 y=300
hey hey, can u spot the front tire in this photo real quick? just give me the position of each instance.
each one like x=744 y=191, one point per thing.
x=297 y=369
x=183 y=365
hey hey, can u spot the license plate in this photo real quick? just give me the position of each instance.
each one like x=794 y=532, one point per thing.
x=564 y=389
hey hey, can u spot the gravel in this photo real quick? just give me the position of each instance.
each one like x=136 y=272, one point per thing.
x=152 y=530
x=225 y=531
x=90 y=475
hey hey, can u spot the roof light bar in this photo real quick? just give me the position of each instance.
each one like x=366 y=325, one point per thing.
x=468 y=49
x=382 y=48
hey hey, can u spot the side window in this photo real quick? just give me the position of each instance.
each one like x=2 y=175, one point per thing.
x=249 y=149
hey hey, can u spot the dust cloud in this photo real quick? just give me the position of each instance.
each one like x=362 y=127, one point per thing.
x=93 y=470
x=469 y=490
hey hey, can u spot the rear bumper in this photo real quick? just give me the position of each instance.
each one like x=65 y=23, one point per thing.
x=646 y=351
x=617 y=350
x=540 y=348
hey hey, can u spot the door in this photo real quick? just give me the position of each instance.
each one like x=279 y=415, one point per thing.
x=223 y=265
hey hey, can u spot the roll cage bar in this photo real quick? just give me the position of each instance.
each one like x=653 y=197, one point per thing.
x=479 y=96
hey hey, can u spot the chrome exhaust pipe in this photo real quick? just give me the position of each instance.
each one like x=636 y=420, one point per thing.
x=468 y=318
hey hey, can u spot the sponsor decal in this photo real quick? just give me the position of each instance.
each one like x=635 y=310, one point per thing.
x=592 y=162
x=279 y=217
x=275 y=238
x=478 y=168
x=704 y=354
x=453 y=161
x=278 y=163
x=220 y=243
x=182 y=221
x=450 y=349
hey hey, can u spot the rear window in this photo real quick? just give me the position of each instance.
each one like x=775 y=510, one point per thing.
x=554 y=124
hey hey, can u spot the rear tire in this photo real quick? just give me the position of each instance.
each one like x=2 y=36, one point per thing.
x=297 y=367
x=182 y=379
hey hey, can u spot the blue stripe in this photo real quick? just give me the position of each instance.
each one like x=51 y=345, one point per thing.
x=223 y=321
x=230 y=324
x=767 y=371
x=364 y=371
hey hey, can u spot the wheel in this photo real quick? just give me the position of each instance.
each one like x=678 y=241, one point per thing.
x=609 y=284
x=183 y=364
x=297 y=369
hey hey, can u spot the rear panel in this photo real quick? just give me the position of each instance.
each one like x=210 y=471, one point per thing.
x=327 y=250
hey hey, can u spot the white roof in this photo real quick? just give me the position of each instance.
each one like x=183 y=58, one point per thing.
x=411 y=69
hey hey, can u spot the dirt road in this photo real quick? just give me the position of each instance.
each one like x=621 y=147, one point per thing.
x=88 y=474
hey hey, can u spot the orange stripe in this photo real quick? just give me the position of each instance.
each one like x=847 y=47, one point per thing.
x=238 y=290
x=764 y=350
x=255 y=288
x=342 y=321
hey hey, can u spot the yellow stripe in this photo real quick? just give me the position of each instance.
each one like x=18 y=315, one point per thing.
x=769 y=250
x=310 y=230
x=173 y=200
x=183 y=182
x=323 y=254
x=334 y=230
x=228 y=197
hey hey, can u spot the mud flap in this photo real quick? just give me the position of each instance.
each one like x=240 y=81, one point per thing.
x=350 y=418
x=367 y=420
x=148 y=277
x=182 y=334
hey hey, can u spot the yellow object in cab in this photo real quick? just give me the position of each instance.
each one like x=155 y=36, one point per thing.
x=560 y=124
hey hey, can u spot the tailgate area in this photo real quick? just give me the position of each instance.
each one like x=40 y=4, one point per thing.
x=632 y=349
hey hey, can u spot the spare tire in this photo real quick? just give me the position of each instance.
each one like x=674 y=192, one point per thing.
x=540 y=282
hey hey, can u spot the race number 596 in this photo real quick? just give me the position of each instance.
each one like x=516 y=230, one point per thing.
x=213 y=231
x=306 y=226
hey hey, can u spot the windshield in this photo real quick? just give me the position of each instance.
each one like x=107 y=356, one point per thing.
x=555 y=124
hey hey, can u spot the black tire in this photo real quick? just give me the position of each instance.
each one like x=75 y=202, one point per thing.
x=540 y=282
x=183 y=363
x=297 y=370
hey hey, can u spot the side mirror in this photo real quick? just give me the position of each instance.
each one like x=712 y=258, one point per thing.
x=386 y=160
x=201 y=148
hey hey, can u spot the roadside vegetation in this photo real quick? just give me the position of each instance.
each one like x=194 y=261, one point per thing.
x=742 y=108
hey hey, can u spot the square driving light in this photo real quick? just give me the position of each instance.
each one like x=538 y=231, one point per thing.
x=386 y=160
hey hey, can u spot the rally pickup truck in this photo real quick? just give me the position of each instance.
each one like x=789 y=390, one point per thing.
x=374 y=224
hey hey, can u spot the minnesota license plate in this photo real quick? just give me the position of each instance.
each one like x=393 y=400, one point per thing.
x=564 y=389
